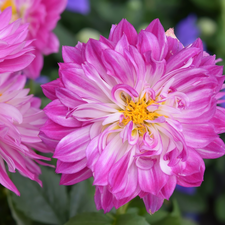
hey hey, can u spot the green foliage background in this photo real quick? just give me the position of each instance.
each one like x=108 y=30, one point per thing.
x=54 y=204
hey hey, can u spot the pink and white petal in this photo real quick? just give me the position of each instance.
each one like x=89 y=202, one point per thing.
x=103 y=199
x=72 y=54
x=68 y=98
x=152 y=203
x=214 y=150
x=121 y=92
x=70 y=167
x=49 y=142
x=152 y=180
x=124 y=27
x=50 y=88
x=11 y=112
x=58 y=113
x=122 y=45
x=192 y=174
x=70 y=179
x=181 y=59
x=90 y=111
x=199 y=135
x=55 y=131
x=132 y=188
x=169 y=187
x=33 y=70
x=147 y=42
x=92 y=153
x=156 y=28
x=118 y=174
x=92 y=73
x=218 y=120
x=107 y=160
x=118 y=67
x=93 y=54
x=73 y=146
x=77 y=82
x=4 y=179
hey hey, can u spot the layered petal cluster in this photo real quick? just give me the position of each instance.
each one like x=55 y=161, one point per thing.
x=15 y=51
x=138 y=112
x=42 y=17
x=20 y=116
x=20 y=121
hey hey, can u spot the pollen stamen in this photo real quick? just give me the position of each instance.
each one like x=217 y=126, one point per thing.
x=138 y=113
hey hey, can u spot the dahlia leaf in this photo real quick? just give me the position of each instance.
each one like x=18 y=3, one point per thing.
x=91 y=219
x=219 y=208
x=164 y=218
x=17 y=215
x=81 y=198
x=48 y=204
x=187 y=203
x=131 y=219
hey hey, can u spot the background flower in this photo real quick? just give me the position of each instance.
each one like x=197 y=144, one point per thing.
x=42 y=17
x=15 y=50
x=187 y=30
x=123 y=111
x=20 y=116
x=79 y=6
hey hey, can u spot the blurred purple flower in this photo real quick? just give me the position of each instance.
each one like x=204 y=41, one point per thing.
x=187 y=31
x=186 y=190
x=79 y=6
x=42 y=80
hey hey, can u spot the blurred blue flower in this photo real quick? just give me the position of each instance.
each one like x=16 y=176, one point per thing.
x=186 y=190
x=187 y=30
x=42 y=80
x=79 y=6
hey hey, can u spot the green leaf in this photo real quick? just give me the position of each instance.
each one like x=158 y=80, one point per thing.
x=131 y=219
x=164 y=218
x=18 y=216
x=157 y=216
x=207 y=4
x=91 y=219
x=48 y=204
x=188 y=222
x=81 y=198
x=219 y=208
x=187 y=203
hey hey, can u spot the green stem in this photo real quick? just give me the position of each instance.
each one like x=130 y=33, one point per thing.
x=31 y=86
x=122 y=209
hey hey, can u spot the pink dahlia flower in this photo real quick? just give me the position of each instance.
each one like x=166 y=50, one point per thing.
x=20 y=122
x=15 y=51
x=20 y=116
x=42 y=16
x=138 y=112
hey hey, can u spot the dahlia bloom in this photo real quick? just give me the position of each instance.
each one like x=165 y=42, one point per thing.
x=42 y=17
x=138 y=112
x=20 y=121
x=15 y=51
x=20 y=116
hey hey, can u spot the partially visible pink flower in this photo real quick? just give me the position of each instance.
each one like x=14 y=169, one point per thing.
x=20 y=121
x=138 y=112
x=42 y=16
x=15 y=51
x=20 y=116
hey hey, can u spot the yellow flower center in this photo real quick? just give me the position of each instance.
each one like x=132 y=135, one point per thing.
x=16 y=12
x=138 y=113
x=7 y=4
